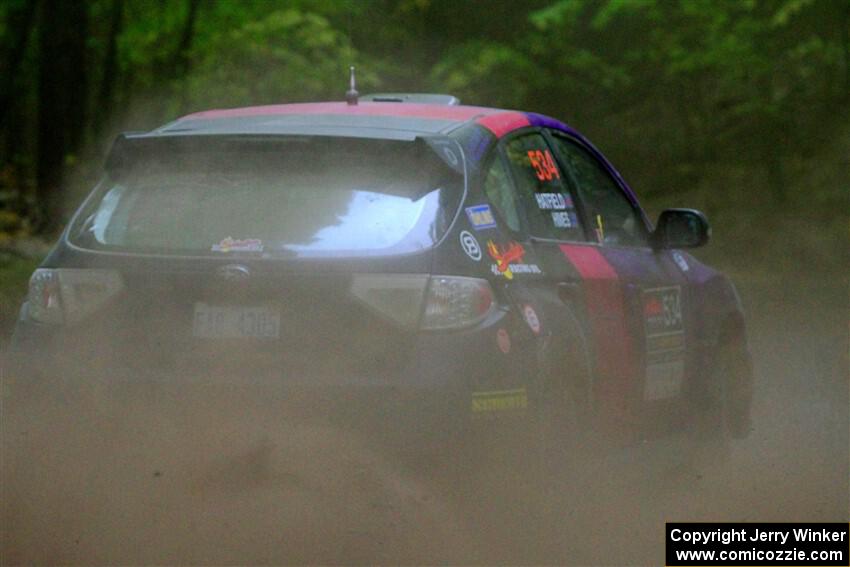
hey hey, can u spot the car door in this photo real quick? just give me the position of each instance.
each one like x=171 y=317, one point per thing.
x=545 y=198
x=635 y=296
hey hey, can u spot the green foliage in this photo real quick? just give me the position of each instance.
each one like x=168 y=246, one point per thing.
x=497 y=73
x=680 y=94
x=284 y=56
x=15 y=272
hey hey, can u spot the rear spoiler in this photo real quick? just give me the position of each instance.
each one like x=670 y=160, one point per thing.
x=117 y=156
x=447 y=149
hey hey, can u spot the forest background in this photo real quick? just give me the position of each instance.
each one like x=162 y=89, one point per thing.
x=738 y=108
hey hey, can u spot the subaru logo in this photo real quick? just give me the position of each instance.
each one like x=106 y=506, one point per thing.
x=234 y=273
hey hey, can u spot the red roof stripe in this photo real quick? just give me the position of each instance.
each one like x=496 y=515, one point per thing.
x=504 y=122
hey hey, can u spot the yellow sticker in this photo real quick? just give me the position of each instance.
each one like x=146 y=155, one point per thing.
x=499 y=400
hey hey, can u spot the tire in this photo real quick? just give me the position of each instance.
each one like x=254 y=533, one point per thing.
x=724 y=413
x=741 y=395
x=559 y=418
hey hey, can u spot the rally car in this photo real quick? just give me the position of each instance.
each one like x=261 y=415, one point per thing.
x=433 y=262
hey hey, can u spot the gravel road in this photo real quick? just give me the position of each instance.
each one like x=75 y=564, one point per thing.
x=147 y=479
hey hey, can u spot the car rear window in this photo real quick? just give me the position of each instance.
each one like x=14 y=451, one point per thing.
x=298 y=197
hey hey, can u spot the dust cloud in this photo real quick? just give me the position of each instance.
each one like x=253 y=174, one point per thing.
x=226 y=474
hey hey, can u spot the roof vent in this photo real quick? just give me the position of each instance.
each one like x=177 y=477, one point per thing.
x=420 y=98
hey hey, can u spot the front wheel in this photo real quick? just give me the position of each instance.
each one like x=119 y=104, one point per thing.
x=724 y=414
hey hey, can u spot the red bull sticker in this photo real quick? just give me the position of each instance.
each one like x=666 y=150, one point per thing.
x=508 y=260
x=231 y=244
x=531 y=319
x=503 y=339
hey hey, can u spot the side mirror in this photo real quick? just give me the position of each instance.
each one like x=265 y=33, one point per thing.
x=681 y=228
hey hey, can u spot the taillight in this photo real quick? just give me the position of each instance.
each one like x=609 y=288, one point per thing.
x=456 y=302
x=70 y=295
x=426 y=302
x=44 y=301
x=395 y=296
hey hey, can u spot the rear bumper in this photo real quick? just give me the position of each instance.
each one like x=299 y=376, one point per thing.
x=428 y=402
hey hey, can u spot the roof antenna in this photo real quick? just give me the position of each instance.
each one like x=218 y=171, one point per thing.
x=352 y=94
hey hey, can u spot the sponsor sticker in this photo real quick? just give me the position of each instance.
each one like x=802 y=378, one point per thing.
x=662 y=310
x=480 y=217
x=499 y=400
x=543 y=164
x=553 y=201
x=447 y=150
x=470 y=245
x=531 y=319
x=503 y=339
x=665 y=342
x=680 y=261
x=508 y=260
x=450 y=157
x=564 y=219
x=230 y=244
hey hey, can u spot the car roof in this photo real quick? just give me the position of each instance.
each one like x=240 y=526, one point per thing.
x=367 y=119
x=388 y=120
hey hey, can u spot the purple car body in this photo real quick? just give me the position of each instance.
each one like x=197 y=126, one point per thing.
x=524 y=260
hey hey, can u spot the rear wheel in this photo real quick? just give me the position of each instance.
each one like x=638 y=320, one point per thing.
x=560 y=416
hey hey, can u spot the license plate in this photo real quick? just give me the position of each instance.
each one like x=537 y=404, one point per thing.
x=230 y=322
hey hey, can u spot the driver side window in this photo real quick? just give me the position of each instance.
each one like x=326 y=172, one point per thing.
x=543 y=190
x=611 y=216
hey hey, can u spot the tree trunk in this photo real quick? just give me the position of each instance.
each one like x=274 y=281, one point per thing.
x=76 y=77
x=181 y=56
x=20 y=23
x=61 y=100
x=103 y=109
x=845 y=41
x=51 y=116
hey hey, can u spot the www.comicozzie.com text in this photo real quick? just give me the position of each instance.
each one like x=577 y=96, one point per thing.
x=755 y=534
